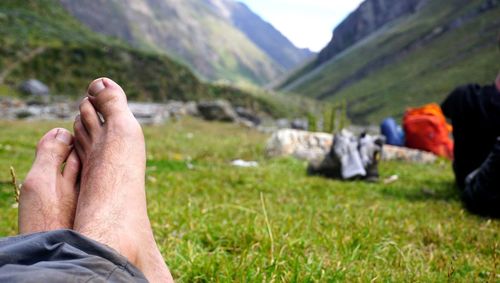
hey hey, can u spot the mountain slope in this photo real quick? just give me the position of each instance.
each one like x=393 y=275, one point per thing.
x=195 y=32
x=368 y=18
x=415 y=55
x=262 y=34
x=39 y=39
x=68 y=55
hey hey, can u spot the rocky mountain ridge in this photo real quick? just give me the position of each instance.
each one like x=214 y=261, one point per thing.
x=262 y=34
x=389 y=55
x=370 y=16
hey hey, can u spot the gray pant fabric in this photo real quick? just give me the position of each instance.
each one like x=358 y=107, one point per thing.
x=62 y=256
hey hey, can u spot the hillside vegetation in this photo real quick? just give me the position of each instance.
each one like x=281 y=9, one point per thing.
x=263 y=34
x=409 y=61
x=219 y=223
x=221 y=40
x=39 y=39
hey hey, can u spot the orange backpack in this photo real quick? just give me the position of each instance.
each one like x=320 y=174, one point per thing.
x=426 y=129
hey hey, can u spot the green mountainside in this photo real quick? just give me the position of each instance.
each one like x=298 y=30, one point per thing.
x=415 y=58
x=279 y=48
x=210 y=36
x=39 y=39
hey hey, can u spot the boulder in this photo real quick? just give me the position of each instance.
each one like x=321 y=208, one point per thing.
x=192 y=108
x=149 y=113
x=391 y=152
x=34 y=87
x=301 y=144
x=300 y=124
x=218 y=110
x=176 y=108
x=283 y=124
x=313 y=147
x=248 y=115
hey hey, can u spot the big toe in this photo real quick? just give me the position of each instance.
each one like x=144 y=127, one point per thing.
x=108 y=98
x=53 y=150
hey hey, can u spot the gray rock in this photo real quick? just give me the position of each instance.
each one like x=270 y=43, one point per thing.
x=300 y=124
x=192 y=108
x=149 y=113
x=301 y=144
x=248 y=115
x=282 y=124
x=34 y=87
x=23 y=114
x=391 y=152
x=55 y=111
x=313 y=147
x=176 y=109
x=370 y=16
x=219 y=110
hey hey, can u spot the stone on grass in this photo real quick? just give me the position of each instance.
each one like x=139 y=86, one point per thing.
x=313 y=147
x=34 y=87
x=218 y=110
x=248 y=115
x=149 y=113
x=301 y=144
x=282 y=123
x=300 y=124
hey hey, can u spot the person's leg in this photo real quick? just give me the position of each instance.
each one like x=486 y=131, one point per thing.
x=112 y=202
x=482 y=187
x=49 y=193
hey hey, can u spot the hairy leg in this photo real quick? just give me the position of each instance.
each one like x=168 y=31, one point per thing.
x=112 y=202
x=49 y=193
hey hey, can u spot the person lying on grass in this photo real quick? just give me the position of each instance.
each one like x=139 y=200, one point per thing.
x=89 y=221
x=475 y=115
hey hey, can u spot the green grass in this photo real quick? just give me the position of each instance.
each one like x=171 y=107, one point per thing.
x=426 y=73
x=216 y=222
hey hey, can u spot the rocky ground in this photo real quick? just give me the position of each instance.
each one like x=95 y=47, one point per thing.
x=40 y=108
x=290 y=137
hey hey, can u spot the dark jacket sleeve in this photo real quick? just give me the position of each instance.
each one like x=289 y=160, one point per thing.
x=458 y=101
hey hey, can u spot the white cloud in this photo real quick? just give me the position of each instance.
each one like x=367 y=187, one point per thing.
x=307 y=23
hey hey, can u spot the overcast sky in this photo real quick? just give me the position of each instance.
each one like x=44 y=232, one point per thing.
x=307 y=23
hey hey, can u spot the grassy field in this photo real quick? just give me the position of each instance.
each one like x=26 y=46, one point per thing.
x=215 y=222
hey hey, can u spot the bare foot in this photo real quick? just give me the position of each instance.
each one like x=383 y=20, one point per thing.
x=112 y=202
x=48 y=196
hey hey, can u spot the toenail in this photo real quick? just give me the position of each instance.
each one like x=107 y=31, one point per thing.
x=64 y=137
x=96 y=87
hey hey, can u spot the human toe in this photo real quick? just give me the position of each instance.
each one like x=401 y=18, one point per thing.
x=72 y=168
x=89 y=117
x=53 y=149
x=44 y=201
x=108 y=97
x=82 y=137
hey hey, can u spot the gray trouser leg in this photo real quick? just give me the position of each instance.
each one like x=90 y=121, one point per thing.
x=62 y=256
